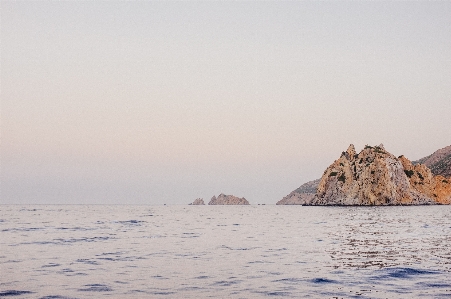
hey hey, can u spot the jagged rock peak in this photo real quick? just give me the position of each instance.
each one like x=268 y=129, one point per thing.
x=351 y=151
x=223 y=199
x=373 y=177
x=198 y=202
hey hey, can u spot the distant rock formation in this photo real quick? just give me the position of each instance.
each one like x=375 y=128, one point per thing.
x=198 y=202
x=376 y=177
x=223 y=199
x=439 y=162
x=302 y=195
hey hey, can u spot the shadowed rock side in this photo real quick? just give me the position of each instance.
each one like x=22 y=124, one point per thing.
x=198 y=202
x=223 y=199
x=302 y=195
x=376 y=177
x=439 y=162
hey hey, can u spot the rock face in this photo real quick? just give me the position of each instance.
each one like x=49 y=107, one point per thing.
x=422 y=179
x=302 y=195
x=376 y=177
x=198 y=202
x=439 y=162
x=223 y=199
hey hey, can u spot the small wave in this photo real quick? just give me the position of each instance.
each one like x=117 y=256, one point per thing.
x=156 y=291
x=238 y=248
x=190 y=235
x=76 y=228
x=159 y=277
x=289 y=280
x=154 y=237
x=73 y=240
x=56 y=297
x=96 y=288
x=162 y=293
x=193 y=288
x=87 y=261
x=131 y=222
x=61 y=241
x=121 y=258
x=111 y=253
x=322 y=280
x=50 y=265
x=13 y=293
x=404 y=273
x=274 y=293
x=35 y=243
x=257 y=262
x=11 y=261
x=202 y=277
x=436 y=285
x=77 y=274
x=23 y=229
x=225 y=283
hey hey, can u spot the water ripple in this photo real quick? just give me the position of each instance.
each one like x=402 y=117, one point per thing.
x=96 y=288
x=13 y=293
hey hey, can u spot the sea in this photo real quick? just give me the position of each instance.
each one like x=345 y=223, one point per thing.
x=256 y=251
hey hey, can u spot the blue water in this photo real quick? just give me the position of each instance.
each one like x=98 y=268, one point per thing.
x=80 y=251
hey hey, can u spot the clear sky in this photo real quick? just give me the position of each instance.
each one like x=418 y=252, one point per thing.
x=153 y=102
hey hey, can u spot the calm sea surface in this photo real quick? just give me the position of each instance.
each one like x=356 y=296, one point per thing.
x=97 y=251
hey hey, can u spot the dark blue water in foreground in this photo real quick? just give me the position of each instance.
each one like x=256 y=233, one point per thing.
x=57 y=252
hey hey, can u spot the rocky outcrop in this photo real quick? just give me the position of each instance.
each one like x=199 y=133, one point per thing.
x=375 y=177
x=302 y=195
x=223 y=199
x=198 y=202
x=439 y=162
x=424 y=181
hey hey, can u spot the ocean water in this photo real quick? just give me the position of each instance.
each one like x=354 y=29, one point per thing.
x=79 y=251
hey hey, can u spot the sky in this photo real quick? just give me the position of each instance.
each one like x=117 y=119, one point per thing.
x=163 y=102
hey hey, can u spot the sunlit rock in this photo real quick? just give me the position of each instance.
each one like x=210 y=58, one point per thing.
x=223 y=199
x=376 y=177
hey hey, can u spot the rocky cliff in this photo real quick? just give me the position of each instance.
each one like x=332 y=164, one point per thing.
x=424 y=181
x=198 y=202
x=223 y=199
x=376 y=177
x=302 y=195
x=439 y=162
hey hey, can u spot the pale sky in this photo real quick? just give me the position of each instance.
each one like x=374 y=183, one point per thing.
x=143 y=102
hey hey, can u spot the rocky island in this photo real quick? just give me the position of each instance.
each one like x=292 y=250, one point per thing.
x=376 y=177
x=223 y=199
x=198 y=202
